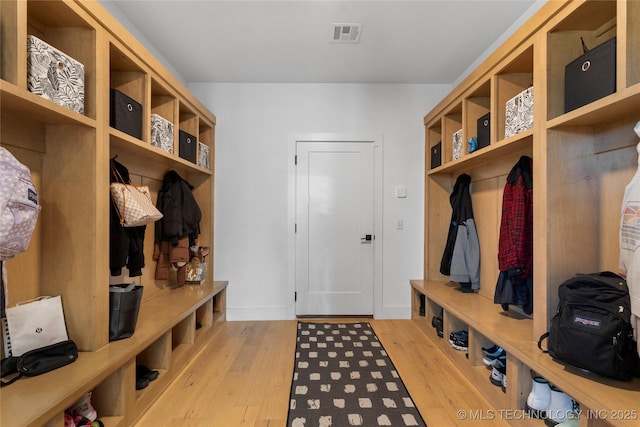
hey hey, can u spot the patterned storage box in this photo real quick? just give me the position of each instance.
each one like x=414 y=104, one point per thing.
x=519 y=113
x=161 y=133
x=457 y=144
x=54 y=75
x=203 y=155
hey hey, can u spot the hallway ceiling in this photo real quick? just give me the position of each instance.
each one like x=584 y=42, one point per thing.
x=418 y=41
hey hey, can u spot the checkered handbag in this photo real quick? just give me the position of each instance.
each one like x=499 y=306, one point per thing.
x=133 y=203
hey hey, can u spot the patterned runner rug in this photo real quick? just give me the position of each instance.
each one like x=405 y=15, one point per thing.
x=344 y=377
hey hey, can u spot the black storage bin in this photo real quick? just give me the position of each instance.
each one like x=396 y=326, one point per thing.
x=188 y=146
x=436 y=155
x=123 y=311
x=484 y=131
x=591 y=76
x=125 y=114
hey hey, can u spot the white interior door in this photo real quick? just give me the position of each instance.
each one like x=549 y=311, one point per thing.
x=334 y=228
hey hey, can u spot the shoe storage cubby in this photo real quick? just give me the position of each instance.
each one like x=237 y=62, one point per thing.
x=69 y=155
x=584 y=157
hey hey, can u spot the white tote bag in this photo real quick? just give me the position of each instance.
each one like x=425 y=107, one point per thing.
x=36 y=323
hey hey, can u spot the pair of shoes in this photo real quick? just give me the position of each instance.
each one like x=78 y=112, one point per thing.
x=548 y=402
x=492 y=355
x=83 y=409
x=422 y=305
x=436 y=322
x=498 y=375
x=144 y=376
x=459 y=340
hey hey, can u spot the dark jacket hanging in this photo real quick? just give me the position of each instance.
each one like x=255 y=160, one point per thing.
x=126 y=244
x=178 y=228
x=463 y=250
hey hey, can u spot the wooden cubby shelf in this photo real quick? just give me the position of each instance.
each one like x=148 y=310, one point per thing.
x=582 y=158
x=69 y=155
x=106 y=370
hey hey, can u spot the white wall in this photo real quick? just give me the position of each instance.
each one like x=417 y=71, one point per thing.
x=255 y=125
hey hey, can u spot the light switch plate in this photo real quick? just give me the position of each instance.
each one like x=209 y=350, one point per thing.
x=401 y=192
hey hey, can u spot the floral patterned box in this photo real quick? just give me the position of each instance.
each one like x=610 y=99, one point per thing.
x=203 y=155
x=457 y=145
x=161 y=133
x=519 y=113
x=54 y=75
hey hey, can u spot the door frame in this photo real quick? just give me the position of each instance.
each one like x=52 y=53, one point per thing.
x=377 y=141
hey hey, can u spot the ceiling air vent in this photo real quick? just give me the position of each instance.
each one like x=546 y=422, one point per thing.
x=346 y=33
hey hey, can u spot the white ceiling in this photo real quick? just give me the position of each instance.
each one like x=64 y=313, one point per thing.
x=419 y=41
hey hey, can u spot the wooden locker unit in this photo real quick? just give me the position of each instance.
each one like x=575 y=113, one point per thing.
x=582 y=161
x=69 y=154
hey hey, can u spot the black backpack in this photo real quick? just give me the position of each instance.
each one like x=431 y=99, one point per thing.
x=591 y=328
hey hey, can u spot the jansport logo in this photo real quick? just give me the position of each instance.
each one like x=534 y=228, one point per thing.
x=585 y=321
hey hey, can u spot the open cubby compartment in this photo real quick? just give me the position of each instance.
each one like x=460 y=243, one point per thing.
x=433 y=309
x=109 y=398
x=205 y=133
x=11 y=39
x=128 y=77
x=452 y=123
x=518 y=383
x=206 y=137
x=515 y=77
x=633 y=42
x=476 y=105
x=587 y=166
x=58 y=24
x=157 y=356
x=595 y=22
x=220 y=305
x=165 y=104
x=433 y=136
x=204 y=316
x=183 y=336
x=479 y=342
x=188 y=120
x=418 y=304
x=452 y=324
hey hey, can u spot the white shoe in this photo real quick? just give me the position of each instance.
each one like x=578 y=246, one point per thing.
x=539 y=398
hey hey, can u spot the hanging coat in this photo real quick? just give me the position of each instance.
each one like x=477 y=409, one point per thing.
x=515 y=248
x=461 y=257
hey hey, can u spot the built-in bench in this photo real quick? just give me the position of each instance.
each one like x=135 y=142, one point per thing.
x=171 y=328
x=616 y=402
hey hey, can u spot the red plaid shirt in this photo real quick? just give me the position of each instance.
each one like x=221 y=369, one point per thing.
x=515 y=250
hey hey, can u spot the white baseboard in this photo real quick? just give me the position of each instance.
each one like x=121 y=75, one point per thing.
x=284 y=313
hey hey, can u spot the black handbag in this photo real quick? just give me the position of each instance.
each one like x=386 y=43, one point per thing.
x=39 y=361
x=124 y=306
x=591 y=76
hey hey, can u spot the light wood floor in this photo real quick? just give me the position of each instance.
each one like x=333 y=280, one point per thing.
x=242 y=378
